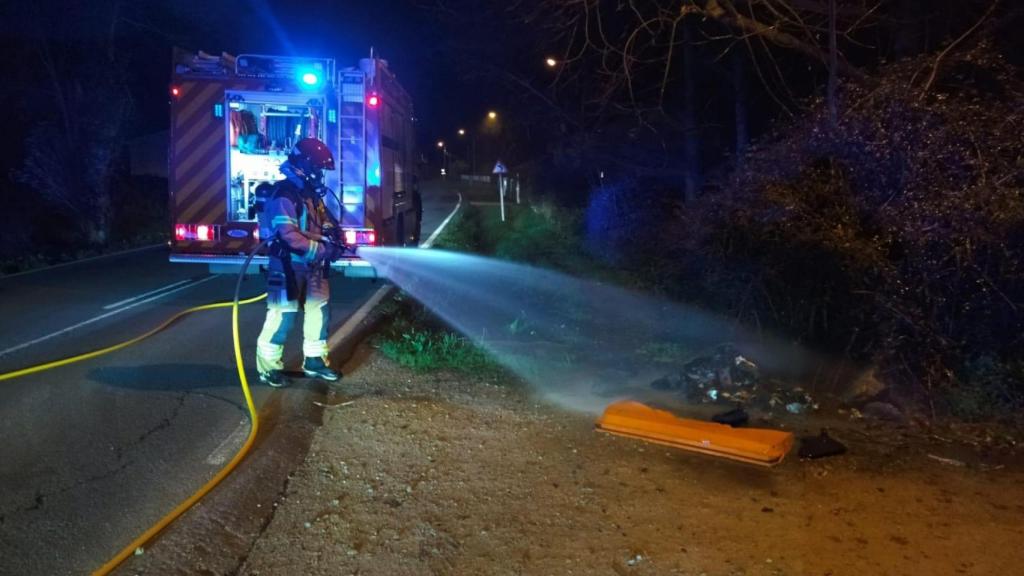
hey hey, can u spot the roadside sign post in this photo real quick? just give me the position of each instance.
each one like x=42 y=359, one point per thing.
x=501 y=171
x=517 y=188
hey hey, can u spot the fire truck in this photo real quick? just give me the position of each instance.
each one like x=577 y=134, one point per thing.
x=235 y=118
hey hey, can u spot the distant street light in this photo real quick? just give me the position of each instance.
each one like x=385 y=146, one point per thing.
x=492 y=115
x=462 y=131
x=444 y=159
x=551 y=62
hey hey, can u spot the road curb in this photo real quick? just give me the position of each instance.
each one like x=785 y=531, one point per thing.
x=247 y=499
x=343 y=343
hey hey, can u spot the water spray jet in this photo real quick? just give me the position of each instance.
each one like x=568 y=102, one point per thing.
x=579 y=343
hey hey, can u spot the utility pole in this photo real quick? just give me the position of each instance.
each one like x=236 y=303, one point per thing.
x=472 y=149
x=444 y=159
x=833 y=66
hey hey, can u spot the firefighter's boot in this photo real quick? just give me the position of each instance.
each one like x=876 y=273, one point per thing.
x=270 y=344
x=317 y=368
x=274 y=379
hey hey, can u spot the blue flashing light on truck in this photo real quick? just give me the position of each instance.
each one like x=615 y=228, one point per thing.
x=234 y=120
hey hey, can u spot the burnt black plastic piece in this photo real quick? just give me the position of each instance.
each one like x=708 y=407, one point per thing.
x=820 y=446
x=736 y=417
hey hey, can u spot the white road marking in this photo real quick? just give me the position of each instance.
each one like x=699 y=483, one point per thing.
x=101 y=317
x=430 y=240
x=143 y=295
x=230 y=445
x=83 y=260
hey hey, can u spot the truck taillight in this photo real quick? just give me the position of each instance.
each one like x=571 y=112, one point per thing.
x=360 y=237
x=200 y=232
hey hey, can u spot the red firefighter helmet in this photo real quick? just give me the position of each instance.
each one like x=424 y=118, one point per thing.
x=312 y=154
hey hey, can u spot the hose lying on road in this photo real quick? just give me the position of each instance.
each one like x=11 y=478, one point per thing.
x=125 y=344
x=240 y=366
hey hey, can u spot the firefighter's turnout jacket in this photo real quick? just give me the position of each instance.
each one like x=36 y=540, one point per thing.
x=297 y=273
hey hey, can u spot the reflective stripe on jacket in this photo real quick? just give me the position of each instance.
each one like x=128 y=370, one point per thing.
x=296 y=223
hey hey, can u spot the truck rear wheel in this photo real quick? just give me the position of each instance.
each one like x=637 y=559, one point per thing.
x=417 y=229
x=400 y=229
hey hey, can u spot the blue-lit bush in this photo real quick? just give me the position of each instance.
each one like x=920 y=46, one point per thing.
x=624 y=218
x=895 y=238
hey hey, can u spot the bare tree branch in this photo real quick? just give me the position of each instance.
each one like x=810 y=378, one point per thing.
x=727 y=15
x=954 y=44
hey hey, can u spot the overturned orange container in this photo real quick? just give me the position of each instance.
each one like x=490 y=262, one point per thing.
x=752 y=445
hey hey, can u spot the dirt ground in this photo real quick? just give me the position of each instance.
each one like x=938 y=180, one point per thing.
x=452 y=474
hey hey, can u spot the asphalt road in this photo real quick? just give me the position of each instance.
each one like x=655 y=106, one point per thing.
x=95 y=452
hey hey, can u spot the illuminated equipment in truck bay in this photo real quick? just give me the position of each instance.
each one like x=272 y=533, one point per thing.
x=235 y=118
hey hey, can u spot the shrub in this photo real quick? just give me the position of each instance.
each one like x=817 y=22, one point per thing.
x=538 y=234
x=425 y=350
x=895 y=237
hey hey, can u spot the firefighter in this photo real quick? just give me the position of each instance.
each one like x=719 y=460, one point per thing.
x=305 y=241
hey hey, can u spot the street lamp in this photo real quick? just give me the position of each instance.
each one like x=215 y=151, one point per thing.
x=462 y=131
x=492 y=115
x=444 y=159
x=551 y=62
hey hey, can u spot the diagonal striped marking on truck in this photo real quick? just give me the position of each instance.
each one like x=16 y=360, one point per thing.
x=204 y=149
x=186 y=132
x=200 y=135
x=189 y=104
x=198 y=178
x=200 y=126
x=198 y=181
x=204 y=202
x=196 y=103
x=214 y=211
x=182 y=125
x=218 y=213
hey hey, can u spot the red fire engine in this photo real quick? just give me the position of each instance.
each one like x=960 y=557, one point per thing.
x=233 y=121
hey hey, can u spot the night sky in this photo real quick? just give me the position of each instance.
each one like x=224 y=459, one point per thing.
x=405 y=32
x=399 y=31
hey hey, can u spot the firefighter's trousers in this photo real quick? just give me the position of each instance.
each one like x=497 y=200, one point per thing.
x=311 y=292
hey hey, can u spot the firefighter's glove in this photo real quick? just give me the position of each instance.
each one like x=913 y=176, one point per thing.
x=334 y=251
x=332 y=233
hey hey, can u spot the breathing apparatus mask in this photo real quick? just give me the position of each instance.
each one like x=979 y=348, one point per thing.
x=309 y=158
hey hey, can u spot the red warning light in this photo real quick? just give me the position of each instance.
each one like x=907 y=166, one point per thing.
x=175 y=91
x=373 y=101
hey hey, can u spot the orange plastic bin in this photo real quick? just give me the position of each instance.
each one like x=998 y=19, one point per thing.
x=753 y=445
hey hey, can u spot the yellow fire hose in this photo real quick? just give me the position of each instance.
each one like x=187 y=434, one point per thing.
x=180 y=509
